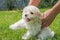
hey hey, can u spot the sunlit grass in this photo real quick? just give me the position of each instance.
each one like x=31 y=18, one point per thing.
x=9 y=17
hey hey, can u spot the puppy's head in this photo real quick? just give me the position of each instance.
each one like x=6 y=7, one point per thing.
x=30 y=13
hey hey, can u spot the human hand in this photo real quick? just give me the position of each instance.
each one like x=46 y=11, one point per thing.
x=49 y=15
x=47 y=18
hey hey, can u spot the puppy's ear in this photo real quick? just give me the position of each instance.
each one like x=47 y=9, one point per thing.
x=38 y=13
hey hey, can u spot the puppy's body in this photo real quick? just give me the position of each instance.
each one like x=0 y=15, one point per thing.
x=32 y=22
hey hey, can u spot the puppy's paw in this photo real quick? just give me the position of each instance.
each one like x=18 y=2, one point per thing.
x=52 y=34
x=24 y=38
x=13 y=27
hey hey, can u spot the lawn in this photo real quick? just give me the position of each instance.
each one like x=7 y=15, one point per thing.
x=9 y=17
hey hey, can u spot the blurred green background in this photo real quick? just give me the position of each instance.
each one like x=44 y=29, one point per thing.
x=12 y=13
x=9 y=17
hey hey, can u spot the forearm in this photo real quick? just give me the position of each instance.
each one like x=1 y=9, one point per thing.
x=34 y=2
x=56 y=8
x=50 y=15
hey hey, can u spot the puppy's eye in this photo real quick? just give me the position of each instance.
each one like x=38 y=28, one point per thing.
x=31 y=13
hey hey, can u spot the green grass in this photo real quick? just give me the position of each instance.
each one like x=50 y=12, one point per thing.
x=9 y=17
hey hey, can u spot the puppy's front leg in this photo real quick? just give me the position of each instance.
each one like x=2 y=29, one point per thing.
x=26 y=36
x=19 y=24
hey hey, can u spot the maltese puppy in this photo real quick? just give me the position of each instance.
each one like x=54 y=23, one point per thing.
x=32 y=22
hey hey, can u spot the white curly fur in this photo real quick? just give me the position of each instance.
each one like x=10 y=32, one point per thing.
x=32 y=22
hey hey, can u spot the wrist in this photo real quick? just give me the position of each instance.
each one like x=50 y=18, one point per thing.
x=54 y=11
x=34 y=2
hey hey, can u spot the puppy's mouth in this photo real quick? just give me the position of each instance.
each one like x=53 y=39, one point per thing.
x=27 y=19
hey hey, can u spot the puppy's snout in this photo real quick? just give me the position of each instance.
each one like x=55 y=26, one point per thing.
x=25 y=15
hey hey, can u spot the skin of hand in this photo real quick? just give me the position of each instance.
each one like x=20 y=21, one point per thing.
x=49 y=15
x=34 y=2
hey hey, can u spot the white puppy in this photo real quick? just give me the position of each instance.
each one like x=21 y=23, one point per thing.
x=32 y=22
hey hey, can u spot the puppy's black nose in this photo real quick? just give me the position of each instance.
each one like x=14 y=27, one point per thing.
x=25 y=15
